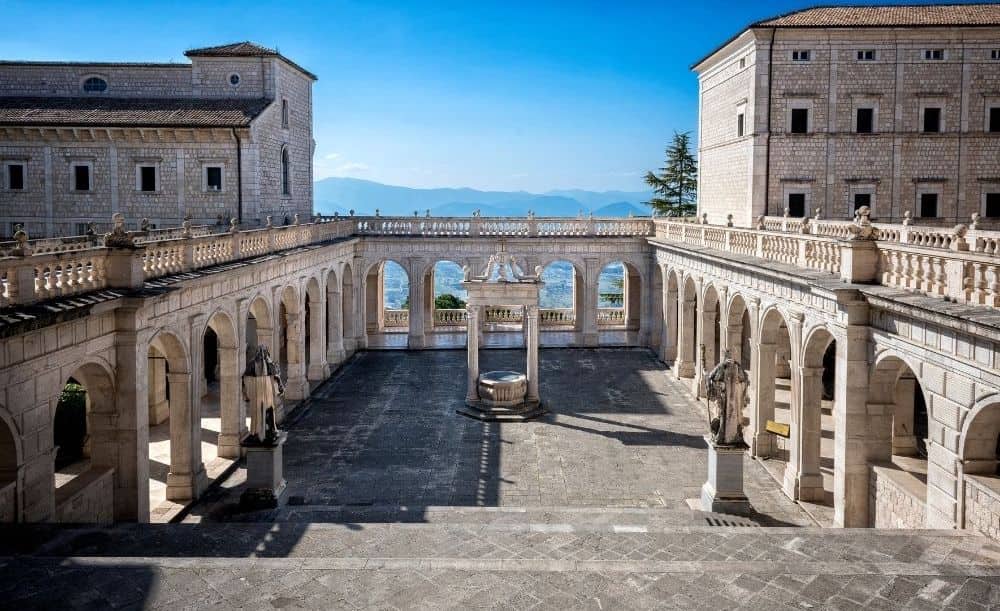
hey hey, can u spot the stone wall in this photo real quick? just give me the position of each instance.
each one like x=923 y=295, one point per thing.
x=982 y=505
x=124 y=80
x=895 y=500
x=8 y=502
x=88 y=498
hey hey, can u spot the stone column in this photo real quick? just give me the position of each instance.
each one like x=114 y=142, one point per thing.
x=761 y=393
x=472 y=326
x=335 y=352
x=232 y=408
x=187 y=473
x=684 y=366
x=589 y=311
x=851 y=429
x=319 y=370
x=531 y=315
x=668 y=345
x=579 y=299
x=159 y=409
x=803 y=480
x=296 y=387
x=904 y=442
x=416 y=337
x=360 y=336
x=131 y=443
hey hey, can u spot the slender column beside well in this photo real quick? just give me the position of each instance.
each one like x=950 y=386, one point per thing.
x=531 y=313
x=472 y=326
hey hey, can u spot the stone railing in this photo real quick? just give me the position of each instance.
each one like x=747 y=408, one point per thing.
x=527 y=227
x=556 y=317
x=958 y=263
x=501 y=314
x=394 y=319
x=36 y=270
x=610 y=317
x=449 y=318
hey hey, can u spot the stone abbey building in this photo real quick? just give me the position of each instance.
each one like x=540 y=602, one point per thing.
x=228 y=135
x=827 y=109
x=872 y=341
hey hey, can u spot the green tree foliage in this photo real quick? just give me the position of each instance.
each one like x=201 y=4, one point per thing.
x=448 y=302
x=676 y=186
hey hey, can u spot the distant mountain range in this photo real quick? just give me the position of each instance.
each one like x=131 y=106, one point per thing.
x=364 y=197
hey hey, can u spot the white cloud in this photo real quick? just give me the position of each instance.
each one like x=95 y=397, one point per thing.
x=352 y=167
x=334 y=164
x=331 y=156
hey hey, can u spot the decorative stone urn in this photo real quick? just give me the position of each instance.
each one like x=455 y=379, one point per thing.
x=502 y=388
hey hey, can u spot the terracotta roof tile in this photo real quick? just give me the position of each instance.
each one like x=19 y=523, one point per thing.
x=245 y=49
x=130 y=112
x=888 y=16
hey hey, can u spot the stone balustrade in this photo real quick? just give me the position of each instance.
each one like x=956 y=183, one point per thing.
x=472 y=227
x=395 y=319
x=548 y=317
x=610 y=317
x=449 y=318
x=958 y=263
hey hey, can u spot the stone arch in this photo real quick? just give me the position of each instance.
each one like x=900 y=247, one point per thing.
x=259 y=325
x=810 y=469
x=895 y=385
x=443 y=319
x=687 y=327
x=314 y=331
x=709 y=324
x=379 y=317
x=349 y=310
x=84 y=439
x=230 y=408
x=770 y=382
x=979 y=456
x=291 y=357
x=627 y=314
x=335 y=353
x=10 y=468
x=179 y=470
x=739 y=330
x=556 y=312
x=668 y=346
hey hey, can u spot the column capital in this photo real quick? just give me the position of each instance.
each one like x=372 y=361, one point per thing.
x=810 y=372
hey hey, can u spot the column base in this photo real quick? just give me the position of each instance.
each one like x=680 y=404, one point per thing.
x=335 y=357
x=683 y=369
x=229 y=445
x=158 y=413
x=186 y=486
x=806 y=487
x=415 y=342
x=761 y=445
x=522 y=412
x=318 y=372
x=296 y=389
x=590 y=339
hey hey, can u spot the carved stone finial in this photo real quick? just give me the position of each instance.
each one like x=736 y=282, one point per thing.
x=907 y=218
x=816 y=213
x=416 y=213
x=144 y=225
x=351 y=211
x=118 y=237
x=92 y=229
x=975 y=221
x=186 y=229
x=538 y=271
x=531 y=214
x=729 y=220
x=958 y=242
x=466 y=273
x=759 y=224
x=295 y=219
x=268 y=221
x=788 y=213
x=234 y=225
x=21 y=237
x=806 y=226
x=959 y=231
x=862 y=229
x=704 y=218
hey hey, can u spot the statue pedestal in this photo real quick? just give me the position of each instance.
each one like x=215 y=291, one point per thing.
x=265 y=481
x=723 y=491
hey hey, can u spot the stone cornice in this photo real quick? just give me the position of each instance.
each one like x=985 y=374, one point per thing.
x=118 y=135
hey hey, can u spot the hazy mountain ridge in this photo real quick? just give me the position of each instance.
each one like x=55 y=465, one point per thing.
x=365 y=196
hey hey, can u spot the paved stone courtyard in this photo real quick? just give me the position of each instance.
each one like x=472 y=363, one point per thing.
x=397 y=502
x=383 y=434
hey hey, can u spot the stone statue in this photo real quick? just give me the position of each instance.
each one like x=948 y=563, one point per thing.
x=261 y=386
x=726 y=385
x=466 y=273
x=119 y=237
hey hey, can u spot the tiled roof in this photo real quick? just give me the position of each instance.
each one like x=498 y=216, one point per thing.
x=245 y=49
x=883 y=16
x=130 y=112
x=887 y=16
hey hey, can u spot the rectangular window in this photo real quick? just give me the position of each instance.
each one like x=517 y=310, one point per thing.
x=932 y=120
x=15 y=176
x=862 y=199
x=866 y=55
x=995 y=119
x=993 y=205
x=81 y=178
x=743 y=63
x=800 y=120
x=147 y=178
x=213 y=178
x=800 y=56
x=739 y=125
x=995 y=54
x=934 y=54
x=866 y=120
x=928 y=205
x=797 y=205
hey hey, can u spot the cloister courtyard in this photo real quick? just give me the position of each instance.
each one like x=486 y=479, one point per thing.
x=396 y=501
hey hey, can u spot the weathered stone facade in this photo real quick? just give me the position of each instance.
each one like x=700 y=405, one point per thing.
x=761 y=73
x=247 y=155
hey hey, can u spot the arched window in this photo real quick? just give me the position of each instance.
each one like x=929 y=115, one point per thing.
x=286 y=181
x=284 y=114
x=95 y=84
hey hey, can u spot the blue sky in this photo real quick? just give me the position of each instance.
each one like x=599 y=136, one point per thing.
x=497 y=95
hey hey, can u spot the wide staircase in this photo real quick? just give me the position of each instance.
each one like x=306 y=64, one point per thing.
x=472 y=557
